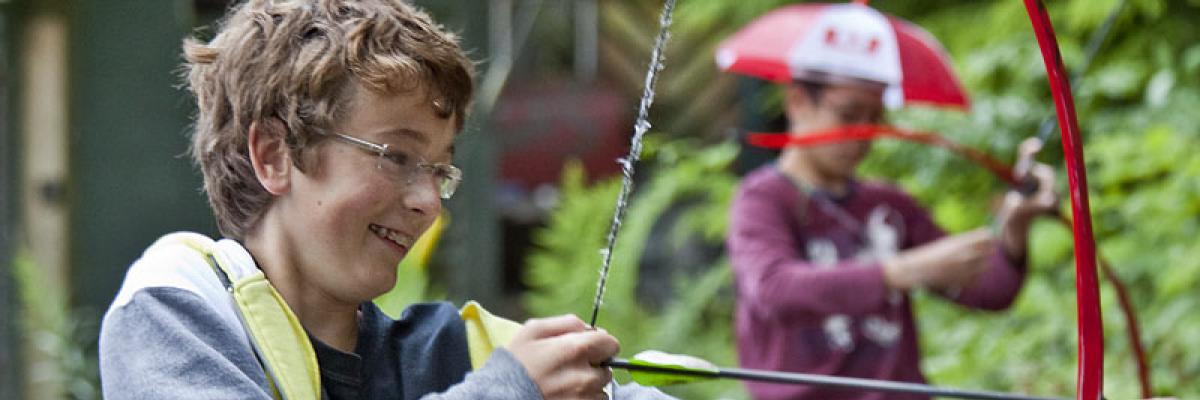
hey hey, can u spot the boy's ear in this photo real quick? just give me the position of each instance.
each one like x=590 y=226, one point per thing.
x=796 y=99
x=269 y=155
x=796 y=103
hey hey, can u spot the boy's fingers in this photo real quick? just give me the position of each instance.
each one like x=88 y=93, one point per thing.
x=598 y=380
x=577 y=383
x=593 y=346
x=602 y=347
x=1028 y=149
x=1045 y=176
x=1025 y=153
x=1044 y=199
x=538 y=328
x=590 y=346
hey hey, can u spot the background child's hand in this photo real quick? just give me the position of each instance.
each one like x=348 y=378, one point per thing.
x=561 y=355
x=948 y=264
x=1020 y=209
x=1024 y=207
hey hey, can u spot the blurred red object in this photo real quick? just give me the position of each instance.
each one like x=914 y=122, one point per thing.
x=541 y=125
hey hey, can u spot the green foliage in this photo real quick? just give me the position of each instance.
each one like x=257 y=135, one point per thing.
x=1136 y=109
x=563 y=270
x=58 y=358
x=412 y=286
x=1136 y=106
x=1146 y=199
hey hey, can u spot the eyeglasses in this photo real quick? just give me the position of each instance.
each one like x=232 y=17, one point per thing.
x=400 y=166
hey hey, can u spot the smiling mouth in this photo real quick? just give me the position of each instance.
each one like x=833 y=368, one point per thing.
x=397 y=238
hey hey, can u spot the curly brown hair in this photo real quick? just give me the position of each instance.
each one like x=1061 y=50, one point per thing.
x=299 y=61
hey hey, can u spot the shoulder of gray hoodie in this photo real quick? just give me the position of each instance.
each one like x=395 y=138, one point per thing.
x=172 y=333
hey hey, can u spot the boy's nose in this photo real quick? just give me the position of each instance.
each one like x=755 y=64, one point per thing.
x=422 y=196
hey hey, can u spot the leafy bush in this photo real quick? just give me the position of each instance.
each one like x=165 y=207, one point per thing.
x=59 y=363
x=696 y=320
x=1137 y=108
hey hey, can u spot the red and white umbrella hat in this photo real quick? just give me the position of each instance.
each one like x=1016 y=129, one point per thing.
x=844 y=41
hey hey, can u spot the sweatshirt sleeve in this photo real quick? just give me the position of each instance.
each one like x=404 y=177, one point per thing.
x=504 y=378
x=168 y=343
x=994 y=289
x=773 y=277
x=634 y=391
x=997 y=287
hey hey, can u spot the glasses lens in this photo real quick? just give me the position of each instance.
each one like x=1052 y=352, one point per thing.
x=395 y=165
x=448 y=177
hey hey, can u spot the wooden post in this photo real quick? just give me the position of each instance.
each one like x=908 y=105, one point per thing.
x=43 y=163
x=10 y=376
x=473 y=237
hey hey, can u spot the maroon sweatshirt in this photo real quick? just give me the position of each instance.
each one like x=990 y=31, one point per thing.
x=811 y=296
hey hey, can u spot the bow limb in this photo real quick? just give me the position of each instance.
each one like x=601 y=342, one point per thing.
x=1090 y=373
x=635 y=150
x=1047 y=126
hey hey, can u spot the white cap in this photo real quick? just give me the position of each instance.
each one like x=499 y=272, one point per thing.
x=850 y=41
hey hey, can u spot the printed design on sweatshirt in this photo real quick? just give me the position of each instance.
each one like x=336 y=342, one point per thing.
x=824 y=255
x=880 y=239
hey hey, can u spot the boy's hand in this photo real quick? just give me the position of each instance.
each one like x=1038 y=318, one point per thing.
x=1019 y=209
x=1022 y=208
x=561 y=355
x=949 y=264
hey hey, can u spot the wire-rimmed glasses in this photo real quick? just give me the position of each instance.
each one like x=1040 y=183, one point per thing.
x=403 y=167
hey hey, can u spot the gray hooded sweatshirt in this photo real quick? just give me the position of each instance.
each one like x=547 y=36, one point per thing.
x=172 y=332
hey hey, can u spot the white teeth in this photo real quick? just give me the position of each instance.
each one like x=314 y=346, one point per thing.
x=396 y=237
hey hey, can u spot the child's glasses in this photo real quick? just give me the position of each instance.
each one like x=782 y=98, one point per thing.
x=400 y=166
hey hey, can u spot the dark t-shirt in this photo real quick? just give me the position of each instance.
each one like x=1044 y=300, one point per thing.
x=425 y=351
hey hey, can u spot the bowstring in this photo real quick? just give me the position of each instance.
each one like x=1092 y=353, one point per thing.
x=635 y=151
x=1046 y=128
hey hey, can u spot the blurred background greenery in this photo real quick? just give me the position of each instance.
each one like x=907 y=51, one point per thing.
x=94 y=127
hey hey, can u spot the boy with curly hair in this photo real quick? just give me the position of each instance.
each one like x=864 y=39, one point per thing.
x=325 y=133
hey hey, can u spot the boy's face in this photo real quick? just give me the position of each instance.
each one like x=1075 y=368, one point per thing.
x=352 y=216
x=836 y=105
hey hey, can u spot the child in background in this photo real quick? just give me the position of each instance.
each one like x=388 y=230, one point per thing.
x=824 y=261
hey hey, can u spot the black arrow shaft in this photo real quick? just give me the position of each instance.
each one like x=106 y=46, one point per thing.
x=824 y=380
